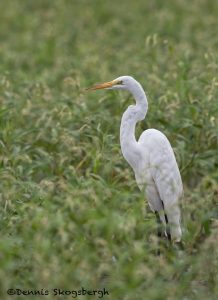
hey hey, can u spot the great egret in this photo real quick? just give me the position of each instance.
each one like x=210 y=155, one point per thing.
x=151 y=157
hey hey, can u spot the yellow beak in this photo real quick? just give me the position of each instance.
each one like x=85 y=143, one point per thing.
x=101 y=86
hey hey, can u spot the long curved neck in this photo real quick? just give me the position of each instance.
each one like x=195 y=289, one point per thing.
x=131 y=116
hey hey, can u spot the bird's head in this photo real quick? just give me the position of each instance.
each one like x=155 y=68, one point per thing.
x=120 y=83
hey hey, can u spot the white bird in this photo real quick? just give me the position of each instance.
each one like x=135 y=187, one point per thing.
x=151 y=157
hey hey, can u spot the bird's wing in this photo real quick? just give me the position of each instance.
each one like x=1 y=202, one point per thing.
x=162 y=165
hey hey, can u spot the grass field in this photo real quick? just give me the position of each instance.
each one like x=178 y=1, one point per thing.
x=69 y=201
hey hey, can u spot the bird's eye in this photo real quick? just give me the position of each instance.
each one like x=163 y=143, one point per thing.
x=120 y=82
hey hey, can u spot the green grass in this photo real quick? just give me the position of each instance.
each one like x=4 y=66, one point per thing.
x=69 y=201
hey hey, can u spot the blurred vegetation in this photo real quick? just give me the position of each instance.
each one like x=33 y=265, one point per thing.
x=69 y=201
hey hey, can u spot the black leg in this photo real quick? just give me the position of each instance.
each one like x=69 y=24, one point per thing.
x=167 y=226
x=159 y=227
x=159 y=230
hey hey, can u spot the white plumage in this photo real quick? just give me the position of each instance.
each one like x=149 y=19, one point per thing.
x=151 y=157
